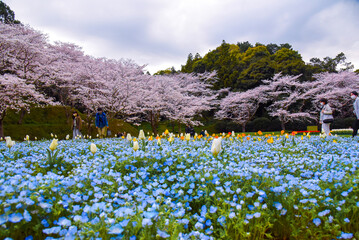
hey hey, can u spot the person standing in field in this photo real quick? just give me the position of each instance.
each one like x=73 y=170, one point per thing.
x=354 y=96
x=101 y=123
x=326 y=116
x=76 y=125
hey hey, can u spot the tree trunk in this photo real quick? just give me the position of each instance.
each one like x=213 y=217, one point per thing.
x=2 y=116
x=282 y=124
x=154 y=122
x=243 y=127
x=89 y=121
x=22 y=115
x=179 y=128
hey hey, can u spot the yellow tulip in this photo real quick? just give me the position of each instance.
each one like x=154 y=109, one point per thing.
x=158 y=141
x=53 y=144
x=188 y=136
x=166 y=132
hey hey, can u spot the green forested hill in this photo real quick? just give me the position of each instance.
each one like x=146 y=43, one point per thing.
x=242 y=66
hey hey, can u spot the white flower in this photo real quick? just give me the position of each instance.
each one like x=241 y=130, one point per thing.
x=216 y=146
x=129 y=137
x=67 y=137
x=135 y=146
x=158 y=141
x=93 y=148
x=141 y=135
x=188 y=137
x=9 y=142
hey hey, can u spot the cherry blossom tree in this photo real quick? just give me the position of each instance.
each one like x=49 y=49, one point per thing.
x=285 y=94
x=177 y=97
x=21 y=50
x=196 y=96
x=336 y=87
x=240 y=107
x=16 y=94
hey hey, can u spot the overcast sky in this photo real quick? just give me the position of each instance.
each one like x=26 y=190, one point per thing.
x=161 y=33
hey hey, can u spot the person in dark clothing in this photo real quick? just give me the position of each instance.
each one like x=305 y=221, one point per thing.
x=354 y=96
x=101 y=123
x=76 y=125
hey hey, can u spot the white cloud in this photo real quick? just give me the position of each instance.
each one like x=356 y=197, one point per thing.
x=162 y=33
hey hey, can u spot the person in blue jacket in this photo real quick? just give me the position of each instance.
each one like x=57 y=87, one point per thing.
x=101 y=123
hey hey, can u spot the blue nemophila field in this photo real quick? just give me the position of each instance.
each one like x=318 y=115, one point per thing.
x=256 y=187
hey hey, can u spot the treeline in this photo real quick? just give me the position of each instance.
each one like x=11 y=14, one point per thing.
x=243 y=66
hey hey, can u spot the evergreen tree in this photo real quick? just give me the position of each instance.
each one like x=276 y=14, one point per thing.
x=6 y=14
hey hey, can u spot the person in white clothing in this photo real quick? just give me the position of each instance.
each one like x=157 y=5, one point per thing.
x=354 y=96
x=326 y=116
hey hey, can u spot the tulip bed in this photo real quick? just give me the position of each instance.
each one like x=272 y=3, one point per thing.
x=257 y=187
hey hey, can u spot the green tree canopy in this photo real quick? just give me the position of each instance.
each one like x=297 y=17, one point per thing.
x=6 y=14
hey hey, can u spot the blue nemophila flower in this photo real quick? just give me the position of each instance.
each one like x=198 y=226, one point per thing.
x=212 y=209
x=115 y=229
x=162 y=234
x=221 y=220
x=346 y=220
x=278 y=206
x=323 y=213
x=53 y=230
x=64 y=222
x=27 y=216
x=3 y=219
x=346 y=235
x=232 y=215
x=257 y=214
x=208 y=222
x=146 y=222
x=344 y=194
x=199 y=225
x=249 y=216
x=150 y=214
x=203 y=210
x=317 y=221
x=15 y=217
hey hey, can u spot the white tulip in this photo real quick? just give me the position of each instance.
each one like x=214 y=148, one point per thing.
x=129 y=137
x=9 y=142
x=135 y=146
x=188 y=137
x=216 y=146
x=93 y=148
x=67 y=137
x=141 y=135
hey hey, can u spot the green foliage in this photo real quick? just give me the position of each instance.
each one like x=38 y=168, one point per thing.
x=329 y=64
x=242 y=66
x=40 y=122
x=6 y=14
